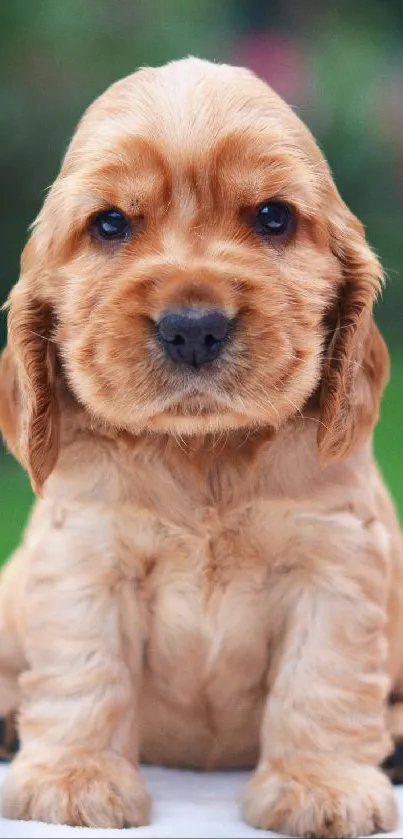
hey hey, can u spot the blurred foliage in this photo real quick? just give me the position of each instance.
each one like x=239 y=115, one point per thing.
x=340 y=65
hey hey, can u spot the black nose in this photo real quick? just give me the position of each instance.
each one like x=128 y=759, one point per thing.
x=193 y=336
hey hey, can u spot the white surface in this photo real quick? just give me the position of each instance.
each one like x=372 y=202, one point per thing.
x=186 y=804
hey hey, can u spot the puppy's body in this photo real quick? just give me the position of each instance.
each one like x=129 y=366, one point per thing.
x=214 y=575
x=210 y=548
x=184 y=563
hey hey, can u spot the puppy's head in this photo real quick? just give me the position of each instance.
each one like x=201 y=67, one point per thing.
x=194 y=269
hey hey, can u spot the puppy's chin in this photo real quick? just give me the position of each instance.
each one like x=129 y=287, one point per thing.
x=191 y=405
x=192 y=417
x=200 y=423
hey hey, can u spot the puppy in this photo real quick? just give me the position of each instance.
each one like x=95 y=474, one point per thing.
x=213 y=574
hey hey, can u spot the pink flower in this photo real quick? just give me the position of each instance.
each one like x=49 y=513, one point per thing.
x=387 y=106
x=277 y=59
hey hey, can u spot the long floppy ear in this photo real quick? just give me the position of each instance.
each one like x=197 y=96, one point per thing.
x=29 y=413
x=9 y=401
x=356 y=363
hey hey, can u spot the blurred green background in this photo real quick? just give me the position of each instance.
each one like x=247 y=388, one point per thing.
x=340 y=65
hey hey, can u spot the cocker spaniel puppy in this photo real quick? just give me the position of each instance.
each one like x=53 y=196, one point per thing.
x=212 y=575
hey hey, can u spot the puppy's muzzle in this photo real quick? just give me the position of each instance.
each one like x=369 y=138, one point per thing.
x=193 y=336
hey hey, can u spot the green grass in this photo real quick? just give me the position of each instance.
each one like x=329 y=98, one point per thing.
x=389 y=434
x=16 y=495
x=15 y=501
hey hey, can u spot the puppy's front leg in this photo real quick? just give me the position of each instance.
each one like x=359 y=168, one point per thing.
x=324 y=730
x=78 y=761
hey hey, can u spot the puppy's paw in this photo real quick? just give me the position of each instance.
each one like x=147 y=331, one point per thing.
x=102 y=790
x=325 y=802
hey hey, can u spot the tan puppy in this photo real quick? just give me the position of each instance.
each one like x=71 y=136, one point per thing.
x=213 y=576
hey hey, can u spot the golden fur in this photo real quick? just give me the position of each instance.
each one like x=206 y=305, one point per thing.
x=213 y=576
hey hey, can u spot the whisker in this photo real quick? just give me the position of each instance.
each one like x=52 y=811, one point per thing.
x=224 y=435
x=180 y=442
x=42 y=337
x=261 y=388
x=246 y=438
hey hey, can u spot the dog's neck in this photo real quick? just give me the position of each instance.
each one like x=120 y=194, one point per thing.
x=279 y=463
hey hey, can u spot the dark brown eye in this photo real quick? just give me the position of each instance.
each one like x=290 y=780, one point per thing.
x=111 y=225
x=274 y=218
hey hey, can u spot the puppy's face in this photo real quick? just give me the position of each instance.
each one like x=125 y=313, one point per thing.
x=191 y=257
x=193 y=267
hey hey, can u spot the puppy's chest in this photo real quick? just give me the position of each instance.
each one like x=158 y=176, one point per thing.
x=203 y=592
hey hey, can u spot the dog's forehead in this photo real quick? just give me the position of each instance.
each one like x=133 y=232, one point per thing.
x=190 y=104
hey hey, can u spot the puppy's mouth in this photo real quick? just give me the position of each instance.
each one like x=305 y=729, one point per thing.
x=200 y=403
x=197 y=416
x=197 y=398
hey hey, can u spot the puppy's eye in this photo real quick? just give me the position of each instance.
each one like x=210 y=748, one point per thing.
x=111 y=225
x=274 y=218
